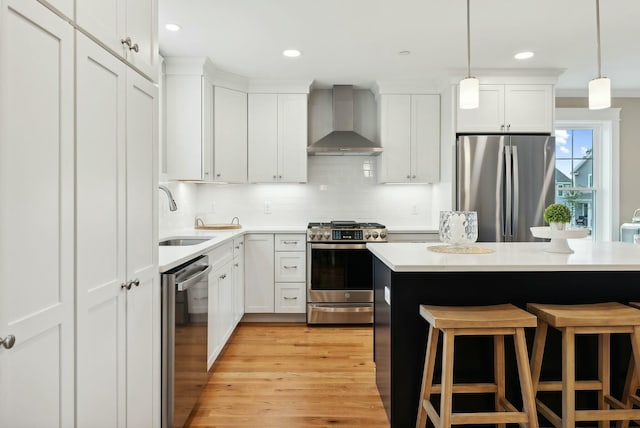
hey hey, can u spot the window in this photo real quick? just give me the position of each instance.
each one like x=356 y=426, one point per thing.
x=587 y=168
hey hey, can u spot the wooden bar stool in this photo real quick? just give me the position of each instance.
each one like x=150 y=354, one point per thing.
x=496 y=321
x=602 y=319
x=630 y=396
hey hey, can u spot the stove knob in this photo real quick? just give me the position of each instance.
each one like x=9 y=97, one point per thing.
x=375 y=235
x=383 y=235
x=367 y=235
x=327 y=235
x=312 y=236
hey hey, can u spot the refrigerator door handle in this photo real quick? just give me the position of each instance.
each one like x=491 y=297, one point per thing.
x=508 y=227
x=515 y=192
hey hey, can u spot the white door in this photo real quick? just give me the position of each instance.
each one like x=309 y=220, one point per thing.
x=263 y=138
x=230 y=136
x=292 y=138
x=258 y=273
x=143 y=299
x=101 y=236
x=36 y=217
x=425 y=138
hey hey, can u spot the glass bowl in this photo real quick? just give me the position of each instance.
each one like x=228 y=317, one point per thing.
x=458 y=228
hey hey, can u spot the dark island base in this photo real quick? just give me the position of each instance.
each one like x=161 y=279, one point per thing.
x=400 y=333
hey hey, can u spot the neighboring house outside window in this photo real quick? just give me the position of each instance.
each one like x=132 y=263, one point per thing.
x=587 y=144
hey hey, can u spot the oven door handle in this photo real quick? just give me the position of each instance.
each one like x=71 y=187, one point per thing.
x=346 y=246
x=327 y=308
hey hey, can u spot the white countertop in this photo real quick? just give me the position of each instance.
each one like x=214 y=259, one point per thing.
x=170 y=257
x=514 y=256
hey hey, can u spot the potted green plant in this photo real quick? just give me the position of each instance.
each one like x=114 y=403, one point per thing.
x=557 y=215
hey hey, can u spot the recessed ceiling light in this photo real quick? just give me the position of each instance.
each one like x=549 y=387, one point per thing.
x=404 y=53
x=172 y=27
x=523 y=55
x=291 y=53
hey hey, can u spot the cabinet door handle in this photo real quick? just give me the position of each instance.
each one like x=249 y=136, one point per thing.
x=223 y=276
x=8 y=341
x=134 y=48
x=408 y=176
x=290 y=267
x=126 y=285
x=502 y=127
x=236 y=264
x=413 y=176
x=126 y=41
x=275 y=176
x=508 y=127
x=218 y=175
x=279 y=176
x=136 y=282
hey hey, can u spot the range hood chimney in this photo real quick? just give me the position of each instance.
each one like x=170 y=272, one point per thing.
x=343 y=140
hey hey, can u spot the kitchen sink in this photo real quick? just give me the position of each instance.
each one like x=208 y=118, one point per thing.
x=179 y=242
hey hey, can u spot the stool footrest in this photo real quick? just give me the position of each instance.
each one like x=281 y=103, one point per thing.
x=607 y=415
x=580 y=385
x=477 y=418
x=459 y=388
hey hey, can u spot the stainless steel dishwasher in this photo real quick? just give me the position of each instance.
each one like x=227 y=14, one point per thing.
x=184 y=339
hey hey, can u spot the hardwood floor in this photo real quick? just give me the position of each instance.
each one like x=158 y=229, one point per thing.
x=292 y=375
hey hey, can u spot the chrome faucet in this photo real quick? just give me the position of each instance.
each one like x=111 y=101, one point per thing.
x=172 y=202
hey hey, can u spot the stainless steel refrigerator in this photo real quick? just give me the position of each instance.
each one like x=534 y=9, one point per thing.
x=508 y=179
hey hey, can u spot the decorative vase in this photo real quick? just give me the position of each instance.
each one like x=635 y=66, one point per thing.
x=458 y=228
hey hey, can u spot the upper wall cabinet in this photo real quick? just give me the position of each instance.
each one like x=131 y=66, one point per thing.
x=510 y=108
x=410 y=137
x=65 y=7
x=277 y=138
x=230 y=136
x=206 y=125
x=127 y=27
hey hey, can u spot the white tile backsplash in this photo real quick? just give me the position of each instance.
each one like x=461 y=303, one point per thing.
x=338 y=188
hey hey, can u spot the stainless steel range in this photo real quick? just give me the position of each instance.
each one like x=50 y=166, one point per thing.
x=340 y=271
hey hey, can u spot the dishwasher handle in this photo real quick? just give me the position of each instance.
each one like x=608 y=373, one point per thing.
x=193 y=279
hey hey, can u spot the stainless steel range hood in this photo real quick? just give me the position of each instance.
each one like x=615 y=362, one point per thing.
x=343 y=140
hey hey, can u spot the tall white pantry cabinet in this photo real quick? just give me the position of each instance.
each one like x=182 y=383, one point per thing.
x=79 y=282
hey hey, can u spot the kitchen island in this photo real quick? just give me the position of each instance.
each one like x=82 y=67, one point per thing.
x=409 y=274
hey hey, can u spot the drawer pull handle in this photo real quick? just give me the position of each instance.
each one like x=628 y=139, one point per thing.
x=290 y=267
x=290 y=298
x=290 y=242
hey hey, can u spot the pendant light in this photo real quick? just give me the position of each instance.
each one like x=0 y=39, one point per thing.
x=600 y=87
x=469 y=87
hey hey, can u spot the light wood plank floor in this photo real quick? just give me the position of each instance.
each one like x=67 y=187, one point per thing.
x=292 y=375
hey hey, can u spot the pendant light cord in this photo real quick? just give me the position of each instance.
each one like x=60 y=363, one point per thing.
x=598 y=37
x=469 y=43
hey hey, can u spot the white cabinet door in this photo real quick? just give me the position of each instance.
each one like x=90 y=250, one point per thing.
x=277 y=138
x=118 y=337
x=258 y=273
x=143 y=299
x=230 y=136
x=395 y=136
x=189 y=127
x=489 y=116
x=425 y=138
x=290 y=297
x=263 y=138
x=292 y=138
x=529 y=108
x=238 y=279
x=100 y=218
x=220 y=318
x=36 y=217
x=113 y=21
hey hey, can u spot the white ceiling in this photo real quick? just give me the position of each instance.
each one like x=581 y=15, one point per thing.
x=357 y=41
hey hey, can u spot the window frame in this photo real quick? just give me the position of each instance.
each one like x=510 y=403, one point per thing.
x=606 y=162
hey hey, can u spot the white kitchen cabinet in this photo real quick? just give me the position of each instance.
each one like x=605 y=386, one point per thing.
x=410 y=137
x=129 y=28
x=220 y=299
x=510 y=108
x=37 y=373
x=238 y=279
x=206 y=125
x=189 y=106
x=65 y=7
x=258 y=273
x=277 y=139
x=290 y=273
x=118 y=288
x=230 y=136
